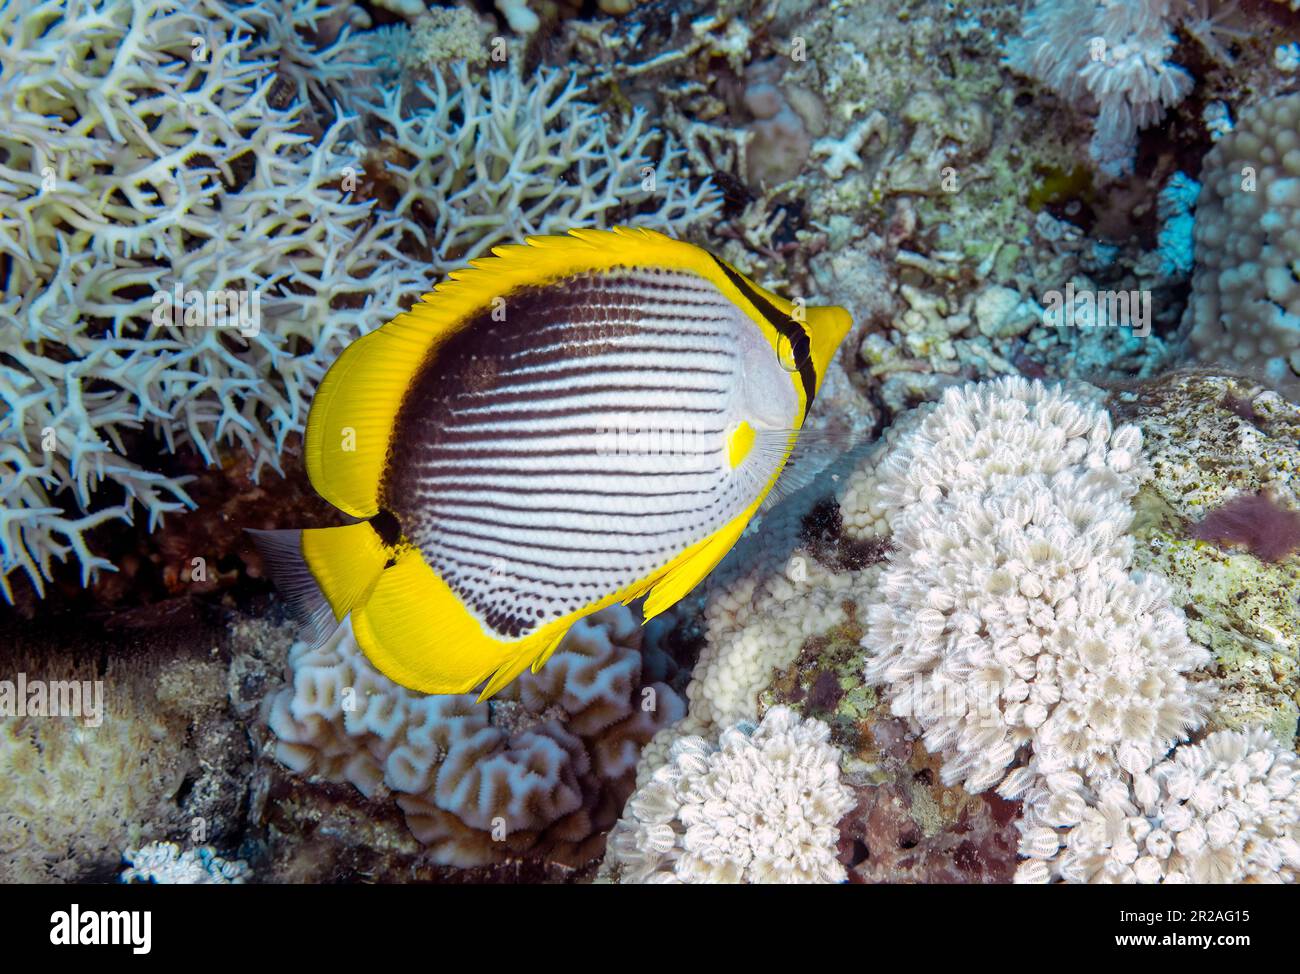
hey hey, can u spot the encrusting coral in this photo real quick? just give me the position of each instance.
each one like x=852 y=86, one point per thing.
x=760 y=806
x=542 y=768
x=1210 y=439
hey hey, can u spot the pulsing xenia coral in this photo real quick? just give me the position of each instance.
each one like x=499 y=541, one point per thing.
x=1007 y=621
x=761 y=806
x=1110 y=57
x=1226 y=810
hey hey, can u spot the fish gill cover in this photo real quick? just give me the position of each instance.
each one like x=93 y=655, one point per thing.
x=649 y=441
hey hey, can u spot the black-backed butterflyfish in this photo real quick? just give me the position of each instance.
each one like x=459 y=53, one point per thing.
x=572 y=422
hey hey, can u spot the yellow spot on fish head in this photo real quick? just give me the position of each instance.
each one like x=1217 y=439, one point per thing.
x=739 y=443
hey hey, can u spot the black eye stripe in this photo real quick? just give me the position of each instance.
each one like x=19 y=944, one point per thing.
x=785 y=325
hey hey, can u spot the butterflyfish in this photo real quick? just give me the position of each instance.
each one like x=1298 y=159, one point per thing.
x=573 y=422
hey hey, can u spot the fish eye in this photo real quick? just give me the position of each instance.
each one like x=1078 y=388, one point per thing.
x=785 y=354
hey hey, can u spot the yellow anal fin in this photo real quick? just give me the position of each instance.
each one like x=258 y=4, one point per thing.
x=546 y=653
x=689 y=568
x=531 y=655
x=417 y=633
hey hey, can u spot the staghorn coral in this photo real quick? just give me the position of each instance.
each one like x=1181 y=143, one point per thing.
x=126 y=179
x=1226 y=810
x=136 y=171
x=760 y=806
x=1007 y=622
x=543 y=768
x=1244 y=310
x=500 y=159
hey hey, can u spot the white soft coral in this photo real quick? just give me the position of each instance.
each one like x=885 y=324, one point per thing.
x=761 y=806
x=1226 y=810
x=1007 y=622
x=1109 y=57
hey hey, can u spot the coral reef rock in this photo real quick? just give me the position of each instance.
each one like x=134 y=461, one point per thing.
x=1211 y=438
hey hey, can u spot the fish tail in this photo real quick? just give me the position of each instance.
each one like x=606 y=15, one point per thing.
x=323 y=573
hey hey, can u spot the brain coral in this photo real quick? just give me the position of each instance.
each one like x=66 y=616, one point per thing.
x=761 y=806
x=543 y=767
x=1007 y=621
x=1245 y=303
x=1226 y=810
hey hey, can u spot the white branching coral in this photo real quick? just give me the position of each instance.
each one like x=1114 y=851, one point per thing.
x=143 y=160
x=543 y=767
x=185 y=261
x=1007 y=621
x=1226 y=810
x=762 y=806
x=495 y=160
x=1111 y=58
